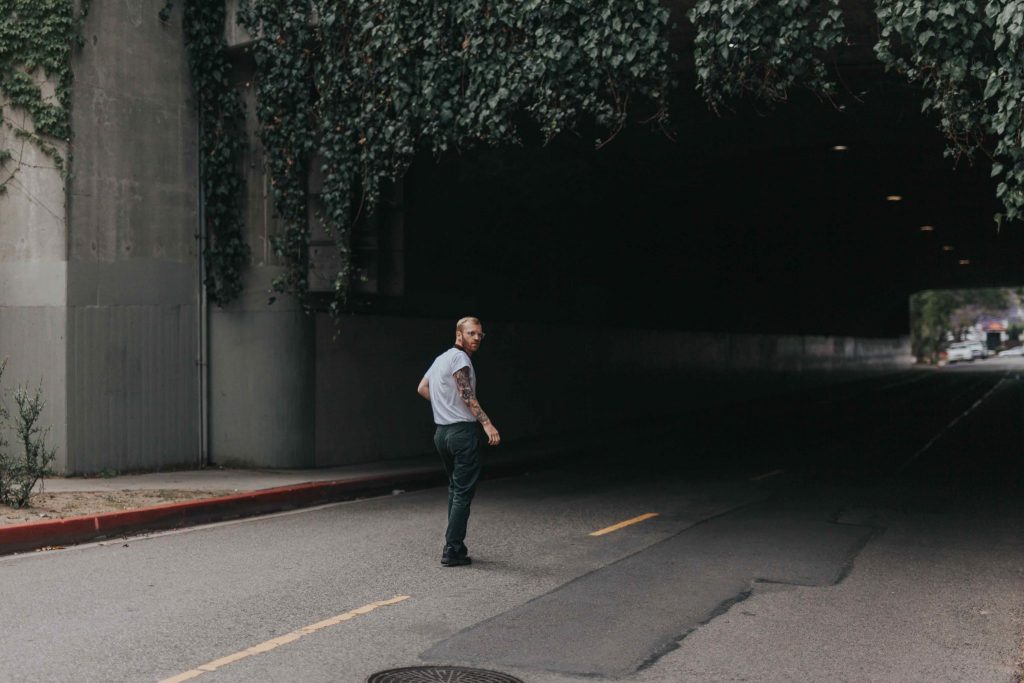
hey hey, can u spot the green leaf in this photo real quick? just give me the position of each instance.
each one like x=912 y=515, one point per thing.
x=992 y=87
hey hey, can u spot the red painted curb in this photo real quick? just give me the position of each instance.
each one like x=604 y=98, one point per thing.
x=16 y=538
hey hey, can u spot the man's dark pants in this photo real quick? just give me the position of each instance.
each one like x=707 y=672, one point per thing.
x=459 y=445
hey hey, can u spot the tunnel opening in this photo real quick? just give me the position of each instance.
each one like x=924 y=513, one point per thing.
x=956 y=326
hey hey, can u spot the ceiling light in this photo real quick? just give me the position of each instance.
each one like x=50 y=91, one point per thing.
x=947 y=247
x=839 y=148
x=965 y=262
x=927 y=228
x=893 y=198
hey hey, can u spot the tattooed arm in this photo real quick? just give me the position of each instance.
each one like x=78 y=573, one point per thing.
x=465 y=388
x=468 y=396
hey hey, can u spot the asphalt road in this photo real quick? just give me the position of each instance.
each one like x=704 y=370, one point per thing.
x=867 y=532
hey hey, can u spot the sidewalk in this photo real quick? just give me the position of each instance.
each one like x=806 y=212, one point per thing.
x=256 y=492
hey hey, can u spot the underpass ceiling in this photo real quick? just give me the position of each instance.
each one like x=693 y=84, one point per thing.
x=892 y=149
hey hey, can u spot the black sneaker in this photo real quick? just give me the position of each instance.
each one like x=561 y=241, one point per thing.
x=455 y=560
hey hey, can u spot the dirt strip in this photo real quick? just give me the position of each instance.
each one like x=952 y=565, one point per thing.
x=45 y=506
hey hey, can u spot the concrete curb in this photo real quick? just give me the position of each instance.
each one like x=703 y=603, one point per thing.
x=17 y=538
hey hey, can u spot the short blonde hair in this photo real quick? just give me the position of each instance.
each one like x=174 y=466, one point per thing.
x=468 y=320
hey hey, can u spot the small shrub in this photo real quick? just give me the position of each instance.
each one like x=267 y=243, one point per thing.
x=20 y=473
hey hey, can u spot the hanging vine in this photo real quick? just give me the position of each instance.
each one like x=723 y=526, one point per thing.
x=371 y=82
x=361 y=85
x=764 y=49
x=968 y=56
x=221 y=145
x=36 y=39
x=285 y=99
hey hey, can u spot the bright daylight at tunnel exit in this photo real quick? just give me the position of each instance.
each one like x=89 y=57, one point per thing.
x=950 y=326
x=512 y=341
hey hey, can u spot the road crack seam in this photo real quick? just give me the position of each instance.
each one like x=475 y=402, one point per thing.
x=677 y=642
x=845 y=570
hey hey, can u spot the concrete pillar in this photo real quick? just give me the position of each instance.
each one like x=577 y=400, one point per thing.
x=99 y=278
x=133 y=277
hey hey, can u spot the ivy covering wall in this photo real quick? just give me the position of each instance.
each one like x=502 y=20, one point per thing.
x=221 y=145
x=762 y=50
x=363 y=85
x=372 y=82
x=36 y=39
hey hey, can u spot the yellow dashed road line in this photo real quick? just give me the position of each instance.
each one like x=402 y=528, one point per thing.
x=281 y=640
x=616 y=527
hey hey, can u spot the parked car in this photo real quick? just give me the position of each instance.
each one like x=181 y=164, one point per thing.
x=958 y=351
x=1015 y=351
x=978 y=349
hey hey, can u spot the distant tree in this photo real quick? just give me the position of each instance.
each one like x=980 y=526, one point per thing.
x=963 y=319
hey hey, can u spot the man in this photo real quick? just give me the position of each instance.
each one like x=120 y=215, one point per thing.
x=450 y=386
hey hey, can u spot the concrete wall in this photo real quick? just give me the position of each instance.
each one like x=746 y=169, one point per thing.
x=33 y=278
x=261 y=380
x=132 y=276
x=261 y=356
x=537 y=379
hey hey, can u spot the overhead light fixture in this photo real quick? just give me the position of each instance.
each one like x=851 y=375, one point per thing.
x=965 y=262
x=893 y=198
x=927 y=228
x=839 y=148
x=947 y=247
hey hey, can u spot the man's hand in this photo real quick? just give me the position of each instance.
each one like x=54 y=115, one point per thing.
x=493 y=438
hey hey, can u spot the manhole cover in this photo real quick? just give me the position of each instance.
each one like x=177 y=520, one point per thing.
x=440 y=674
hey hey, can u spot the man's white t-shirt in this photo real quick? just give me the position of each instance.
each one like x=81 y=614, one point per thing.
x=448 y=406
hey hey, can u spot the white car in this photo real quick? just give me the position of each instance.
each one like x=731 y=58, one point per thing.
x=1015 y=351
x=960 y=351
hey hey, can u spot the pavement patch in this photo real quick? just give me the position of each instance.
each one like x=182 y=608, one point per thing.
x=621 y=617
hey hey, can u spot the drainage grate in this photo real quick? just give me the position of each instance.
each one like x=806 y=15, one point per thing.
x=440 y=674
